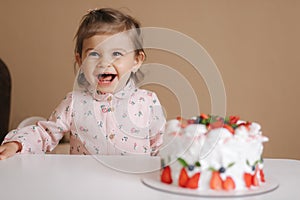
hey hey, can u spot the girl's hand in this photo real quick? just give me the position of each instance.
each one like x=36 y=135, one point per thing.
x=9 y=149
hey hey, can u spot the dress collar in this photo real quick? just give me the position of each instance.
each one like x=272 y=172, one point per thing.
x=121 y=94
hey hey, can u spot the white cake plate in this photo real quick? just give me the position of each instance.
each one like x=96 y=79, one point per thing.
x=154 y=183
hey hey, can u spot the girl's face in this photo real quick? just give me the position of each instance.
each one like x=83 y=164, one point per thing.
x=108 y=60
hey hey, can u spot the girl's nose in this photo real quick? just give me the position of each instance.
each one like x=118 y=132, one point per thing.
x=104 y=62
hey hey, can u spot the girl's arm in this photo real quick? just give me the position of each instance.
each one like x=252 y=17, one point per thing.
x=45 y=135
x=157 y=126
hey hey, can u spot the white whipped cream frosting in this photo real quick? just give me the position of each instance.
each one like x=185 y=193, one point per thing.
x=213 y=149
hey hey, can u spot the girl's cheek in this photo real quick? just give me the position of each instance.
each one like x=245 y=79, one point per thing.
x=117 y=62
x=88 y=67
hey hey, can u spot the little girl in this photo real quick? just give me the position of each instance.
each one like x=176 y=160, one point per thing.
x=105 y=114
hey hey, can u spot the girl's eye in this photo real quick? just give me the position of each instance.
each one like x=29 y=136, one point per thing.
x=94 y=54
x=117 y=54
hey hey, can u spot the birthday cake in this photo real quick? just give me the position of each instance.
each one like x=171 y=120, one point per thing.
x=213 y=153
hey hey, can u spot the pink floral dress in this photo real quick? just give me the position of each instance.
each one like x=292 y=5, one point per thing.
x=129 y=122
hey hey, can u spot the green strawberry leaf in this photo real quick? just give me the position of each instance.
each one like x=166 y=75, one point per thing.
x=234 y=126
x=182 y=162
x=230 y=165
x=248 y=163
x=226 y=120
x=204 y=121
x=212 y=169
x=261 y=160
x=197 y=164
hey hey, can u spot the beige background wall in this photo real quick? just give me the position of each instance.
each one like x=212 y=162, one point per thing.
x=254 y=43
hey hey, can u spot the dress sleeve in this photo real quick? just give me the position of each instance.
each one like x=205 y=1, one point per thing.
x=45 y=135
x=157 y=125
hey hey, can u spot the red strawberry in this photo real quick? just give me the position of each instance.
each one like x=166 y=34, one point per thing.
x=183 y=125
x=183 y=122
x=190 y=121
x=204 y=116
x=247 y=124
x=217 y=124
x=183 y=178
x=193 y=181
x=255 y=179
x=262 y=175
x=216 y=181
x=228 y=184
x=208 y=126
x=233 y=119
x=248 y=179
x=179 y=118
x=166 y=175
x=229 y=128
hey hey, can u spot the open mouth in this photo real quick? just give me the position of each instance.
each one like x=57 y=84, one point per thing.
x=106 y=78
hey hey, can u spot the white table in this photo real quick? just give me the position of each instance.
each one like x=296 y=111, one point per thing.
x=67 y=177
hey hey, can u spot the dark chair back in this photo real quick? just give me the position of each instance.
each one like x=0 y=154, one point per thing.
x=5 y=98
